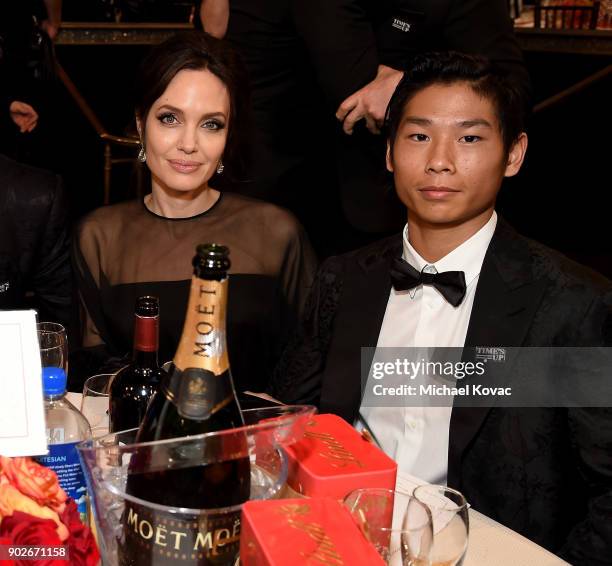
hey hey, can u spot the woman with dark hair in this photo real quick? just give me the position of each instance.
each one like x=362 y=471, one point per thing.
x=189 y=112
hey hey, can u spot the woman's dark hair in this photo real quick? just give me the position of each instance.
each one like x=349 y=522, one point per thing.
x=484 y=78
x=196 y=50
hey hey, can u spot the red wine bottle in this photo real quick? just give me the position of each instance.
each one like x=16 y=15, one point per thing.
x=134 y=385
x=196 y=396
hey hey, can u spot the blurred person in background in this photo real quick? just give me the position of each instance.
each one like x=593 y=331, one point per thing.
x=322 y=74
x=27 y=28
x=190 y=113
x=34 y=240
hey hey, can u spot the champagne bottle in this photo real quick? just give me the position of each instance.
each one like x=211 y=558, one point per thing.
x=134 y=385
x=197 y=396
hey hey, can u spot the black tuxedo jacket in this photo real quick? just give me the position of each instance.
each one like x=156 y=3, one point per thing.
x=546 y=473
x=34 y=242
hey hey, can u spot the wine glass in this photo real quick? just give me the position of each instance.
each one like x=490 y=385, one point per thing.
x=53 y=346
x=416 y=534
x=398 y=525
x=94 y=403
x=449 y=512
x=55 y=327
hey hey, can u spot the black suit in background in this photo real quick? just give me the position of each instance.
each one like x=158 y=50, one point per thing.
x=305 y=57
x=291 y=161
x=545 y=473
x=34 y=242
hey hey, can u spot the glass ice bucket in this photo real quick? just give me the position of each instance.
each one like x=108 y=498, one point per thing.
x=133 y=531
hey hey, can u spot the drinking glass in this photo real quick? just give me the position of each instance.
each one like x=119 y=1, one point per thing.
x=53 y=345
x=449 y=512
x=54 y=327
x=397 y=524
x=94 y=403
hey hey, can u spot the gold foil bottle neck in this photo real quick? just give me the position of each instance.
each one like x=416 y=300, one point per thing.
x=203 y=342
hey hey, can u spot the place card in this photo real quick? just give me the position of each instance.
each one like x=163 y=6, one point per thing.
x=22 y=417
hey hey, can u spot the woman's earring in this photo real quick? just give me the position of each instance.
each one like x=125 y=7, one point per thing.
x=220 y=167
x=142 y=156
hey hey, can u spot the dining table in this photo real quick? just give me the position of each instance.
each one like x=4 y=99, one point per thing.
x=490 y=542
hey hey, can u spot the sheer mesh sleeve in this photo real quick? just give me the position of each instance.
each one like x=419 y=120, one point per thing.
x=86 y=265
x=91 y=354
x=299 y=263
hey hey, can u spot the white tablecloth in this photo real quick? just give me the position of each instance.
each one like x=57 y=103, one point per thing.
x=490 y=543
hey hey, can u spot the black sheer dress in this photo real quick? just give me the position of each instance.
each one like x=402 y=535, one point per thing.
x=124 y=251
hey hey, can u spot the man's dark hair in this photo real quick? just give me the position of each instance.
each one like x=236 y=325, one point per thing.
x=484 y=78
x=196 y=50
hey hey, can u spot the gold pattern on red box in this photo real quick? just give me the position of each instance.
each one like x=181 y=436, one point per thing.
x=310 y=532
x=333 y=459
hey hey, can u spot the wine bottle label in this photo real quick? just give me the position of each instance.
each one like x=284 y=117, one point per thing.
x=146 y=333
x=198 y=393
x=157 y=538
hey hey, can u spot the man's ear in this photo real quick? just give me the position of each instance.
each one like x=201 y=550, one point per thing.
x=389 y=158
x=516 y=155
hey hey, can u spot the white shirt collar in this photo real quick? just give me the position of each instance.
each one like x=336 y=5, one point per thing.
x=467 y=257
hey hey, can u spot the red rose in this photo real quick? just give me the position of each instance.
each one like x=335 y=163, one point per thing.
x=24 y=529
x=35 y=481
x=81 y=543
x=71 y=516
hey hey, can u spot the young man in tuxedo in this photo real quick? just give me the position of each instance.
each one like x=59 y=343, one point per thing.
x=459 y=275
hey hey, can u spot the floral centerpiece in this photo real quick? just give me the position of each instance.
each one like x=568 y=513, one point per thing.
x=35 y=511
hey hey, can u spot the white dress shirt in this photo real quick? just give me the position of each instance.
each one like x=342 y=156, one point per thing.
x=417 y=437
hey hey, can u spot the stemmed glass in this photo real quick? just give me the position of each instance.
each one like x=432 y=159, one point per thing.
x=94 y=403
x=53 y=346
x=449 y=512
x=398 y=525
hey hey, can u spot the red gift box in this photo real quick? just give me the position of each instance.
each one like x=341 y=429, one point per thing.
x=333 y=459
x=302 y=531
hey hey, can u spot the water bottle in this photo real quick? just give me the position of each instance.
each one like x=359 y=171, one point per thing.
x=66 y=427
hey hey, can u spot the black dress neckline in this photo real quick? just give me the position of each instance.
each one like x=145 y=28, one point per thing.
x=199 y=215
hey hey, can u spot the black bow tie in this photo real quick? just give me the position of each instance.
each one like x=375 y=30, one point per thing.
x=450 y=283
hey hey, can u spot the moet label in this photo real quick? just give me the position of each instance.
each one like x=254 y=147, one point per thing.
x=161 y=539
x=202 y=343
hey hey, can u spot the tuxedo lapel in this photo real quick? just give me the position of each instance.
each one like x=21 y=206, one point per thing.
x=365 y=291
x=507 y=297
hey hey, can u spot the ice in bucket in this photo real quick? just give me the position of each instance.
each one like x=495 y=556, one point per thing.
x=135 y=532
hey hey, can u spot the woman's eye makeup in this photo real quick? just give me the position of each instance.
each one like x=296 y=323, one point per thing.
x=167 y=118
x=170 y=119
x=213 y=124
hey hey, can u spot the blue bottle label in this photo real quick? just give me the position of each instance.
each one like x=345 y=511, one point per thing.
x=63 y=459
